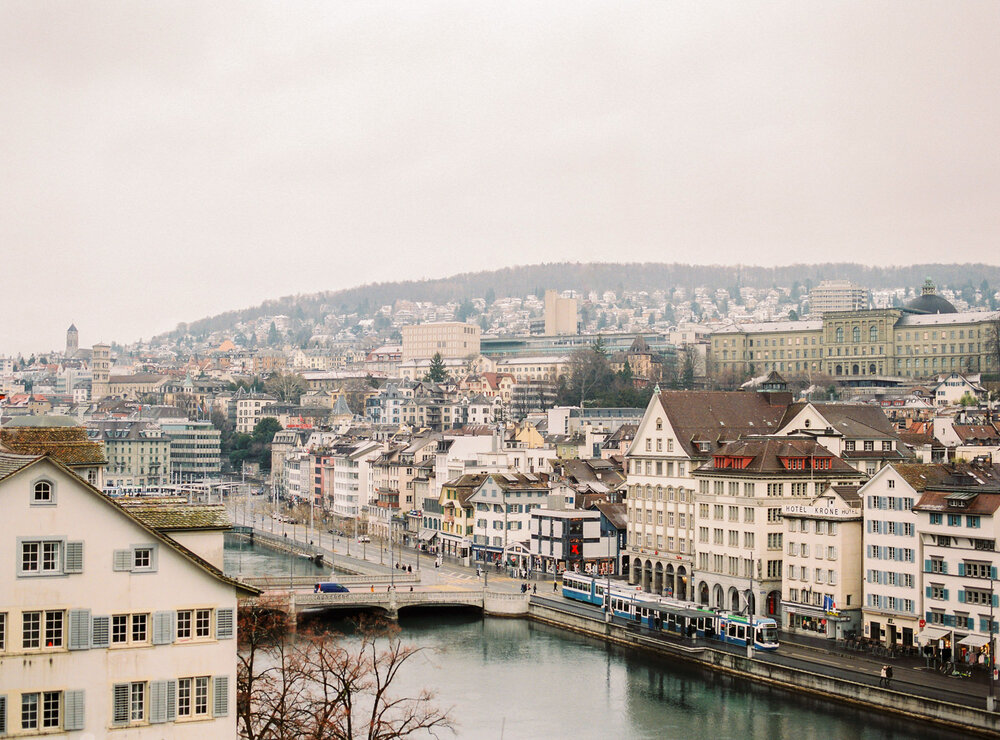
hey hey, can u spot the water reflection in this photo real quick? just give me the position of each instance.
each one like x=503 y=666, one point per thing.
x=527 y=680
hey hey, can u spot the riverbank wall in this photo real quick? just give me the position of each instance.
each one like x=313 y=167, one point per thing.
x=952 y=716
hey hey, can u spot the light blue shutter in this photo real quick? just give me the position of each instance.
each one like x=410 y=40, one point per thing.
x=944 y=566
x=945 y=594
x=157 y=702
x=171 y=700
x=961 y=568
x=119 y=694
x=75 y=705
x=100 y=633
x=224 y=623
x=928 y=592
x=961 y=596
x=996 y=600
x=122 y=560
x=993 y=574
x=79 y=629
x=927 y=566
x=221 y=696
x=74 y=557
x=163 y=627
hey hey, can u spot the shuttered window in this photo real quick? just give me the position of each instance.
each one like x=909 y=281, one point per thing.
x=220 y=693
x=100 y=634
x=157 y=702
x=74 y=714
x=163 y=627
x=122 y=560
x=3 y=715
x=224 y=624
x=74 y=557
x=119 y=713
x=79 y=629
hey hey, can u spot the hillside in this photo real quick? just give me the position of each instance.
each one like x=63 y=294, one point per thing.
x=586 y=277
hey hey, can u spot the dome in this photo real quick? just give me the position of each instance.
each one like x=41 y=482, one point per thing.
x=929 y=301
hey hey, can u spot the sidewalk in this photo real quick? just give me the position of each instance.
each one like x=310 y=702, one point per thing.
x=908 y=672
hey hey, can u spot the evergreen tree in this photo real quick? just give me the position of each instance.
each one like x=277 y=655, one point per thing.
x=437 y=372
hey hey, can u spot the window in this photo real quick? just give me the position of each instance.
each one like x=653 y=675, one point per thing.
x=31 y=630
x=40 y=710
x=184 y=624
x=53 y=629
x=41 y=493
x=3 y=632
x=137 y=702
x=202 y=623
x=954 y=520
x=129 y=628
x=936 y=518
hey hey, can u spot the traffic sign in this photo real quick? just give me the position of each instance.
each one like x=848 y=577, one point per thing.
x=922 y=623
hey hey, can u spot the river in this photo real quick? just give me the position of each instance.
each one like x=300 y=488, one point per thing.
x=513 y=678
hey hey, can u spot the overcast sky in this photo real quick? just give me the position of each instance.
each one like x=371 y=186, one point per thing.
x=160 y=162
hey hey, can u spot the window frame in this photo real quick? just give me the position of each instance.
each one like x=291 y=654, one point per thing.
x=34 y=487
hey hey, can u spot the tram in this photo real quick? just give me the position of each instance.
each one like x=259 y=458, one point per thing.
x=677 y=618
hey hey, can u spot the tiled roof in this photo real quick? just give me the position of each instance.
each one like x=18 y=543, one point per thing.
x=172 y=514
x=850 y=419
x=719 y=416
x=68 y=445
x=967 y=432
x=933 y=475
x=986 y=502
x=10 y=464
x=615 y=513
x=766 y=454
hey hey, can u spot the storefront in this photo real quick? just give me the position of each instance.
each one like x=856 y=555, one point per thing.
x=809 y=620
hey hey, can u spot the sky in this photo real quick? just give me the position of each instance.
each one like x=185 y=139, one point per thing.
x=160 y=162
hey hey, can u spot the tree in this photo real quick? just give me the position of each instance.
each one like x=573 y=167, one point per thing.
x=273 y=337
x=325 y=686
x=589 y=369
x=265 y=429
x=437 y=372
x=793 y=315
x=288 y=387
x=993 y=346
x=687 y=370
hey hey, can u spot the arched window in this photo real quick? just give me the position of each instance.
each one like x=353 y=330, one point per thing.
x=840 y=334
x=659 y=493
x=659 y=424
x=42 y=492
x=873 y=333
x=856 y=334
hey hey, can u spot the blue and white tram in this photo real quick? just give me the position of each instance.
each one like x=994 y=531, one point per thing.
x=678 y=618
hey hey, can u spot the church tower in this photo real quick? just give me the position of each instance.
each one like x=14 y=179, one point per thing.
x=72 y=340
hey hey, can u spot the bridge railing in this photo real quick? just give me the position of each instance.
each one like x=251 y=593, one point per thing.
x=279 y=583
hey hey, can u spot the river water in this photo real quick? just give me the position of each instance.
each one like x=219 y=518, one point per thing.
x=511 y=678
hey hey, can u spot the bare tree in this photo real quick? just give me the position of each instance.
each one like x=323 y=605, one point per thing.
x=993 y=345
x=322 y=686
x=288 y=387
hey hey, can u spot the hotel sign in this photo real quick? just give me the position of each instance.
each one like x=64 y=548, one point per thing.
x=820 y=512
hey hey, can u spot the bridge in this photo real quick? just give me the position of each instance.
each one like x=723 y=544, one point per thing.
x=392 y=601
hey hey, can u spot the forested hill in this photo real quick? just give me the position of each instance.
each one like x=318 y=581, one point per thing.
x=586 y=277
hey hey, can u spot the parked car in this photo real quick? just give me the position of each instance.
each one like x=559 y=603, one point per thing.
x=364 y=538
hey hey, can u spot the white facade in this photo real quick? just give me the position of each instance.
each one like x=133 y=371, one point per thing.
x=115 y=631
x=891 y=559
x=822 y=591
x=352 y=478
x=503 y=506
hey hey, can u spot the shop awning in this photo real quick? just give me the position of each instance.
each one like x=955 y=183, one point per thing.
x=932 y=633
x=974 y=640
x=426 y=535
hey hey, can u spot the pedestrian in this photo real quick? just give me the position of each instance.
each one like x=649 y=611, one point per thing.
x=554 y=585
x=373 y=588
x=411 y=589
x=534 y=588
x=882 y=676
x=888 y=676
x=409 y=568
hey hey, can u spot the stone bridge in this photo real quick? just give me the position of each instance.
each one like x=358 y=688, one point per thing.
x=492 y=603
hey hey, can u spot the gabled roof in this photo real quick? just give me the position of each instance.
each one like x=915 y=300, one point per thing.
x=176 y=515
x=615 y=513
x=920 y=476
x=69 y=445
x=197 y=560
x=852 y=420
x=977 y=432
x=718 y=417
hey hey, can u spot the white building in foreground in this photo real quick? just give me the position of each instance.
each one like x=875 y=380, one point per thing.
x=107 y=627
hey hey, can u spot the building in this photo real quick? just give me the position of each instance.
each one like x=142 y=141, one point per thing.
x=561 y=315
x=823 y=589
x=247 y=408
x=458 y=513
x=352 y=476
x=958 y=526
x=100 y=367
x=195 y=450
x=72 y=340
x=138 y=453
x=59 y=437
x=113 y=624
x=956 y=388
x=575 y=540
x=923 y=339
x=838 y=295
x=138 y=386
x=741 y=494
x=503 y=505
x=450 y=339
x=679 y=431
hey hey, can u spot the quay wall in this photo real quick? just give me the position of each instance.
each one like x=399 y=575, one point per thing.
x=954 y=716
